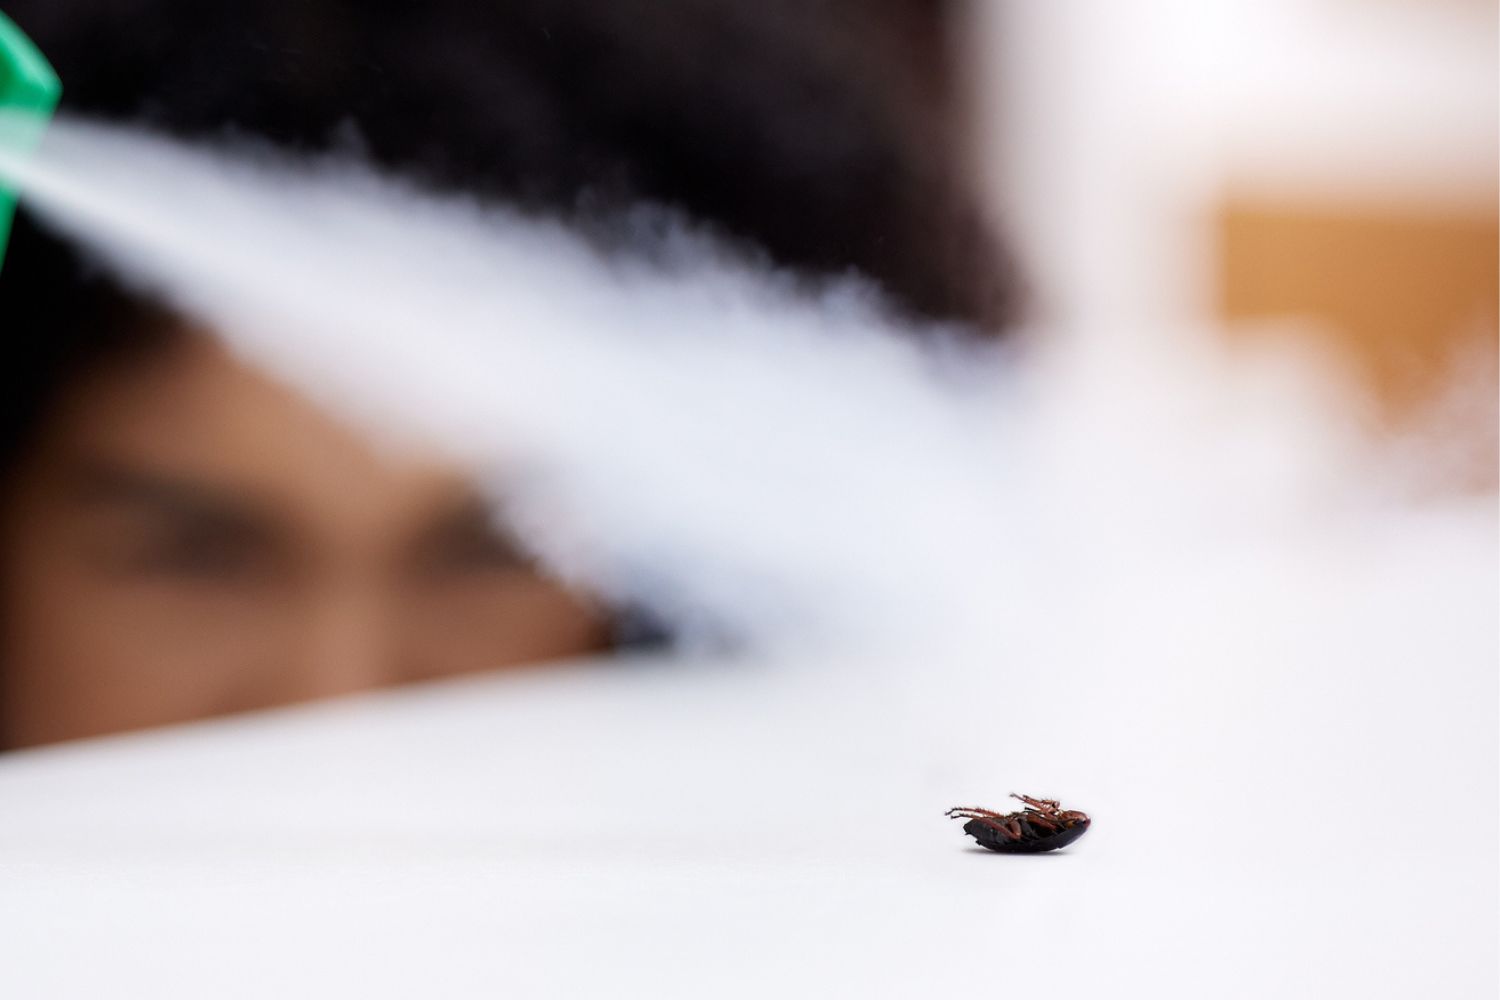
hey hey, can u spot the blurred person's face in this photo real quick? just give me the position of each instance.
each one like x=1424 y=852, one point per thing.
x=189 y=538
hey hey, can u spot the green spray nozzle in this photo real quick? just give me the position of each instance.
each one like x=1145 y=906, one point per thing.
x=28 y=94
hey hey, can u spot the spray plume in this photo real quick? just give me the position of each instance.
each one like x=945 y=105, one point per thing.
x=670 y=421
x=667 y=421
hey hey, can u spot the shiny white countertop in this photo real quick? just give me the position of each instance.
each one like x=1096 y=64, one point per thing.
x=714 y=829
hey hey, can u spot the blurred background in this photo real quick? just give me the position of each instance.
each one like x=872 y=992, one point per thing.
x=1315 y=166
x=1140 y=186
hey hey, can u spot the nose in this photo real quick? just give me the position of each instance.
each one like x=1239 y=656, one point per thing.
x=345 y=642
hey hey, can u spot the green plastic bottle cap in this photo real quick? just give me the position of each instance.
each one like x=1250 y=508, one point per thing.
x=28 y=94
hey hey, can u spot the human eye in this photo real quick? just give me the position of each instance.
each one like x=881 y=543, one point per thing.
x=194 y=549
x=469 y=541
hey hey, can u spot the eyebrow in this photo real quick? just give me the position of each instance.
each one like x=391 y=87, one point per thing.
x=110 y=484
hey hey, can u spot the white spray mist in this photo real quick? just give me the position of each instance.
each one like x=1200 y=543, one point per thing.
x=679 y=427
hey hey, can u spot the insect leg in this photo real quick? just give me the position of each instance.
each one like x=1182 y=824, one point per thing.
x=971 y=812
x=1041 y=805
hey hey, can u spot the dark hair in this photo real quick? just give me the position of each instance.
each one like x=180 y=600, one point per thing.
x=821 y=132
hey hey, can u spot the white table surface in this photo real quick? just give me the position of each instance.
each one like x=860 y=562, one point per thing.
x=710 y=829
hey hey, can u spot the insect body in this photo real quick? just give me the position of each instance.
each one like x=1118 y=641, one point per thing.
x=1042 y=826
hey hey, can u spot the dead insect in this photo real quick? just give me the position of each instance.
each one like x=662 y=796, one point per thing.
x=1042 y=826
